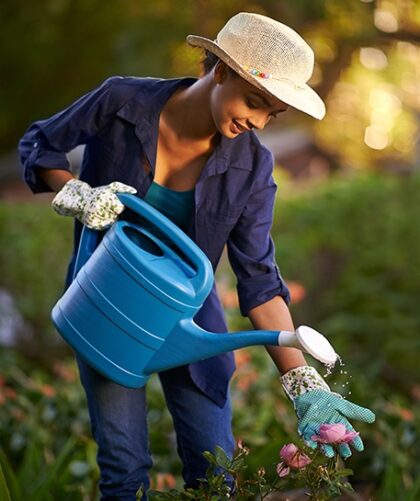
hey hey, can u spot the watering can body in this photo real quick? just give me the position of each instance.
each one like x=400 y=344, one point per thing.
x=130 y=307
x=128 y=311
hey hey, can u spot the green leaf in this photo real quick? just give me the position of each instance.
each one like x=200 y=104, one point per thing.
x=31 y=464
x=44 y=485
x=210 y=457
x=347 y=486
x=344 y=472
x=221 y=458
x=4 y=491
x=10 y=477
x=238 y=464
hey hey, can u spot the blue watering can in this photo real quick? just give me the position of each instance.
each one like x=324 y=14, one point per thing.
x=129 y=310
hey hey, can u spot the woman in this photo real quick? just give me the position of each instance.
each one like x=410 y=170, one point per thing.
x=187 y=147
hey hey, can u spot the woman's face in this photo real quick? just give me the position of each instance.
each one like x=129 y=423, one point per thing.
x=238 y=106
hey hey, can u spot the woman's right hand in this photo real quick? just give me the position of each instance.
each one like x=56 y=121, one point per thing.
x=97 y=208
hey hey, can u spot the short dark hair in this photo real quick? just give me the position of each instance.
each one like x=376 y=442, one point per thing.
x=209 y=62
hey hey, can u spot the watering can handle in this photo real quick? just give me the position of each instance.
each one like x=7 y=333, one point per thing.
x=88 y=243
x=89 y=240
x=201 y=263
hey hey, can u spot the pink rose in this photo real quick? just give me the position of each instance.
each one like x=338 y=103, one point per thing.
x=293 y=457
x=282 y=470
x=334 y=434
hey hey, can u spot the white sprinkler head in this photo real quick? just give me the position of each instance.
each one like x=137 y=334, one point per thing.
x=316 y=345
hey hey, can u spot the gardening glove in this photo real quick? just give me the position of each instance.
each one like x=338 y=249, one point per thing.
x=97 y=208
x=316 y=405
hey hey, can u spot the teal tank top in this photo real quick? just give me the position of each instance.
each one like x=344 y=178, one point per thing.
x=176 y=205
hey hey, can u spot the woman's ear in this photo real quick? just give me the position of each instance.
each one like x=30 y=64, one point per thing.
x=221 y=71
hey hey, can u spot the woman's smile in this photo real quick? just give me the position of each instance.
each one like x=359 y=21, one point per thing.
x=237 y=128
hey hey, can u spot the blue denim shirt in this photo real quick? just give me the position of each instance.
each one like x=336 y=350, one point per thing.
x=234 y=196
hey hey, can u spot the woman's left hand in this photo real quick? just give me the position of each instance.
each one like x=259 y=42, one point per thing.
x=318 y=410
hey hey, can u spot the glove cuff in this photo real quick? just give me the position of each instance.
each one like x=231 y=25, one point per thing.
x=302 y=379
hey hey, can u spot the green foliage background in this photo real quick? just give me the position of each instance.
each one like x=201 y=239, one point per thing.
x=352 y=242
x=53 y=51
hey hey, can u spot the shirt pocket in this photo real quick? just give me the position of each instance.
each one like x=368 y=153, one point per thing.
x=214 y=222
x=220 y=213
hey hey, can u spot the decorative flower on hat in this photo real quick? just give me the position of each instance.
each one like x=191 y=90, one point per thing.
x=255 y=72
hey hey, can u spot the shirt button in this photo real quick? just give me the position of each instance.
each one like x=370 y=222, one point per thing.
x=35 y=144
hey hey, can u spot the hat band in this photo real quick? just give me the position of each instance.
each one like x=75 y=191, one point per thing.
x=261 y=74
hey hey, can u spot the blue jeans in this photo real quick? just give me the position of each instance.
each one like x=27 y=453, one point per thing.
x=119 y=426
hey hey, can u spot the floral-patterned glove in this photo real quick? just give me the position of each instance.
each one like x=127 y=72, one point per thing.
x=97 y=208
x=317 y=408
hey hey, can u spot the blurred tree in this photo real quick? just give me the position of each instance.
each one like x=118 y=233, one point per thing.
x=52 y=51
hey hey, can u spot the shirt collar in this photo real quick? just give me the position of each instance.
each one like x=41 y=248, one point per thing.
x=143 y=111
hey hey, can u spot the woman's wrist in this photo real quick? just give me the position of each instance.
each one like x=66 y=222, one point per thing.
x=302 y=379
x=54 y=178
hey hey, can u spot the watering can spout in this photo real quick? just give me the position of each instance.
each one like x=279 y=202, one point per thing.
x=189 y=343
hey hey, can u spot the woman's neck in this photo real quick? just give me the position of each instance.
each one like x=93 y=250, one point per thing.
x=187 y=114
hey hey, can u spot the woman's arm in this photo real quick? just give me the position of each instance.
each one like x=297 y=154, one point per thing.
x=54 y=178
x=275 y=315
x=46 y=142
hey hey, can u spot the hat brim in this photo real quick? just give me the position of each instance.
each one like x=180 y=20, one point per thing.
x=301 y=97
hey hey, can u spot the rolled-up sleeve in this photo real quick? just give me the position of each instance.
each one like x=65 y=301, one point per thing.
x=46 y=142
x=250 y=247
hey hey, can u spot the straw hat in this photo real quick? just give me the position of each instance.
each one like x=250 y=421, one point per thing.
x=269 y=55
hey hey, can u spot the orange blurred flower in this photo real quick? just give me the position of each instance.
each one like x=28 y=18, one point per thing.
x=9 y=392
x=415 y=391
x=297 y=291
x=406 y=414
x=163 y=481
x=47 y=390
x=242 y=357
x=65 y=372
x=246 y=379
x=18 y=414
